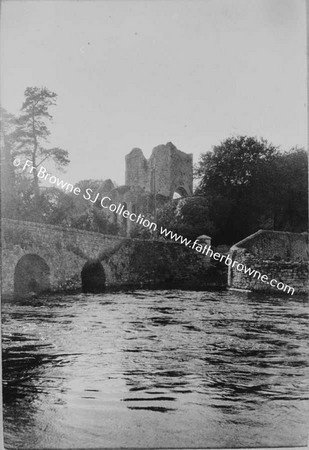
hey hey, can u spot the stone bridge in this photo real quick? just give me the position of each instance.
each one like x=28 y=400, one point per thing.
x=38 y=257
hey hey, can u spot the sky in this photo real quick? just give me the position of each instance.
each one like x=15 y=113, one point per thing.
x=146 y=72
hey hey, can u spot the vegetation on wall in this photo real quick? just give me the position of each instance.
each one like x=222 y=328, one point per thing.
x=187 y=216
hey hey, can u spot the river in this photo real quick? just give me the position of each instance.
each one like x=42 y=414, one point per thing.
x=154 y=368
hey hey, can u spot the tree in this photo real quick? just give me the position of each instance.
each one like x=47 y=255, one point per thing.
x=291 y=195
x=32 y=133
x=66 y=209
x=141 y=232
x=187 y=216
x=237 y=179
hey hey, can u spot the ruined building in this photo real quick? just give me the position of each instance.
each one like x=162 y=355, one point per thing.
x=167 y=172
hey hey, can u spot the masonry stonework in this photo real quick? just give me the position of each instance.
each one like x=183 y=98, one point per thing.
x=125 y=262
x=167 y=171
x=280 y=255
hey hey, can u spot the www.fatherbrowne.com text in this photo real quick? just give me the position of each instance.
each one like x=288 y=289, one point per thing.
x=106 y=202
x=208 y=251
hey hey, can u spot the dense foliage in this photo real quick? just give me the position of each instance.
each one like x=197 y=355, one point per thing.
x=249 y=185
x=187 y=216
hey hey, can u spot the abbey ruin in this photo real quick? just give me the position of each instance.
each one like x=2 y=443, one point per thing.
x=150 y=183
x=167 y=171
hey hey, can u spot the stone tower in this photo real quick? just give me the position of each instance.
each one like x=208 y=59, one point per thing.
x=173 y=171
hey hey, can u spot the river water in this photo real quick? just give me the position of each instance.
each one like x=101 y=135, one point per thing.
x=156 y=369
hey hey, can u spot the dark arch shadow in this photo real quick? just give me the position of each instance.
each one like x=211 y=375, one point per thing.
x=93 y=277
x=32 y=275
x=124 y=219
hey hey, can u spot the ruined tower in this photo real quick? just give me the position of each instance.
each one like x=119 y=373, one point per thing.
x=167 y=171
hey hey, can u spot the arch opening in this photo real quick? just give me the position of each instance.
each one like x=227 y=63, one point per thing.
x=180 y=192
x=32 y=275
x=124 y=219
x=93 y=277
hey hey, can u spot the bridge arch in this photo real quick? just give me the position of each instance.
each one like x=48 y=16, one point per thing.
x=93 y=277
x=32 y=274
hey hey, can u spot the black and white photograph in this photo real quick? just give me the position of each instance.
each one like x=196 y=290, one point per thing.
x=154 y=224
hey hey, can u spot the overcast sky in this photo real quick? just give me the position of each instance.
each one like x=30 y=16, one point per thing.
x=142 y=73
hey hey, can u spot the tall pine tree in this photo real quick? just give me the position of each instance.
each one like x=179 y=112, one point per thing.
x=31 y=134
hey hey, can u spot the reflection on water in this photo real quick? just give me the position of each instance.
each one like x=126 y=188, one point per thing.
x=155 y=369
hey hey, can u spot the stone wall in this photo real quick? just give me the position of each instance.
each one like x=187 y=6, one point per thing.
x=277 y=245
x=138 y=171
x=126 y=262
x=282 y=256
x=143 y=262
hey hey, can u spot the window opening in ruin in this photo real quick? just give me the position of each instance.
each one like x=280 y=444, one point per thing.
x=180 y=192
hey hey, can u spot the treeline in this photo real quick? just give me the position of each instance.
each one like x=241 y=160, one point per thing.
x=242 y=185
